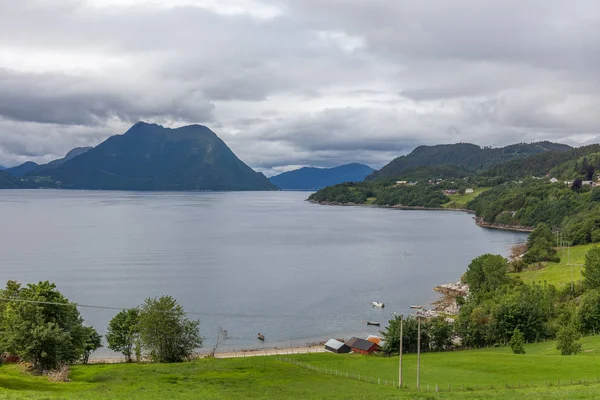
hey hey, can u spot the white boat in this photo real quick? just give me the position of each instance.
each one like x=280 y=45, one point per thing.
x=377 y=304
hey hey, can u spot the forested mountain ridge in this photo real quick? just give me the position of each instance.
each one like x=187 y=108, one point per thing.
x=308 y=178
x=469 y=156
x=151 y=157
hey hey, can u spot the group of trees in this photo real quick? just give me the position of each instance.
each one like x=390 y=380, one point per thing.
x=159 y=328
x=385 y=194
x=575 y=212
x=41 y=326
x=436 y=334
x=500 y=310
x=540 y=246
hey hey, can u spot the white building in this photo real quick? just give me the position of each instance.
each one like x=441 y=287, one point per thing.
x=553 y=180
x=469 y=190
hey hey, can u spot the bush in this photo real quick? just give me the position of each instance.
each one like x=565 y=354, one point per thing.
x=517 y=342
x=568 y=340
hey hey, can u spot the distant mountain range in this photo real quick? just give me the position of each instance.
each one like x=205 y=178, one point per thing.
x=151 y=157
x=468 y=156
x=309 y=178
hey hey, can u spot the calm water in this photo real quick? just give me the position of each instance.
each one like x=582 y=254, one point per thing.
x=264 y=262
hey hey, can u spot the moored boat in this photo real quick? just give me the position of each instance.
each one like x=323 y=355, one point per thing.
x=373 y=323
x=261 y=337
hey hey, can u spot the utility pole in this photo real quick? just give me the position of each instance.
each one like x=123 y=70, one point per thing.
x=418 y=308
x=400 y=367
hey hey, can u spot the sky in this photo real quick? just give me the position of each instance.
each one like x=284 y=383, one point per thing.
x=289 y=83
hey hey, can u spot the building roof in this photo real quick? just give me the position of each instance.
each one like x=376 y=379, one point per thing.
x=361 y=344
x=334 y=344
x=375 y=339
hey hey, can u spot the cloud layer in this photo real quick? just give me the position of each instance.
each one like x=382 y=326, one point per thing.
x=298 y=82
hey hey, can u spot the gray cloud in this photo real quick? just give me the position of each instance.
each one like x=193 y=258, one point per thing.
x=299 y=82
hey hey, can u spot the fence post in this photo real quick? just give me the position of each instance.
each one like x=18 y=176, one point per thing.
x=379 y=381
x=437 y=388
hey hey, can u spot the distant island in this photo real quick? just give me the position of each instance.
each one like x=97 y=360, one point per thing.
x=146 y=157
x=310 y=178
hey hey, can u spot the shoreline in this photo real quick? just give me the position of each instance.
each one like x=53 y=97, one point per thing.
x=272 y=351
x=478 y=221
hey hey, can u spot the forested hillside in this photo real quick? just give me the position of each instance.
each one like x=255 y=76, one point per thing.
x=469 y=156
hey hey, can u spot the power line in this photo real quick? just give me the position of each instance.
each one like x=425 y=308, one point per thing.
x=239 y=315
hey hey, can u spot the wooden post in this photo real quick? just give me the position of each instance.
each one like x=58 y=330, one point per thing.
x=400 y=368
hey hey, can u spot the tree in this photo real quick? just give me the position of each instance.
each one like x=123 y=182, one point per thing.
x=46 y=334
x=517 y=342
x=440 y=333
x=92 y=342
x=540 y=245
x=568 y=337
x=165 y=331
x=409 y=335
x=591 y=273
x=222 y=336
x=486 y=273
x=588 y=314
x=577 y=185
x=122 y=332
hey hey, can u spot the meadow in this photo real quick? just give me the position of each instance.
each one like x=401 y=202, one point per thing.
x=493 y=373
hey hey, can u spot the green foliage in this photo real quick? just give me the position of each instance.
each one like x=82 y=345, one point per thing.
x=166 y=333
x=568 y=340
x=92 y=341
x=440 y=333
x=466 y=155
x=540 y=246
x=123 y=331
x=486 y=273
x=517 y=342
x=409 y=335
x=46 y=335
x=591 y=273
x=387 y=194
x=588 y=313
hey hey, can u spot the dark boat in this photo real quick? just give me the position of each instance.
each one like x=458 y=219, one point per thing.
x=261 y=337
x=373 y=323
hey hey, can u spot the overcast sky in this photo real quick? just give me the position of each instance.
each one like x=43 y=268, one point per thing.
x=299 y=82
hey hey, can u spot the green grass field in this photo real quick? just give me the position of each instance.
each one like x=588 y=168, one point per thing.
x=559 y=273
x=461 y=200
x=485 y=374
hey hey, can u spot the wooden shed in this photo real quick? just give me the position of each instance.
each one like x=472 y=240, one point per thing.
x=362 y=346
x=335 y=346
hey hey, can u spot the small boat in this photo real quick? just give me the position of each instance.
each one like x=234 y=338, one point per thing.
x=261 y=337
x=373 y=323
x=377 y=304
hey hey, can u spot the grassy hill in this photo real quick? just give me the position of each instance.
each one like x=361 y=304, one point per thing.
x=493 y=373
x=560 y=273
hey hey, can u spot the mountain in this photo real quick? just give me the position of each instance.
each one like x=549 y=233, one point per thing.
x=7 y=181
x=316 y=178
x=23 y=169
x=46 y=169
x=151 y=157
x=467 y=155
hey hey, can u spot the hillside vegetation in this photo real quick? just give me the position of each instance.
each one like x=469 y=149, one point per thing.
x=467 y=155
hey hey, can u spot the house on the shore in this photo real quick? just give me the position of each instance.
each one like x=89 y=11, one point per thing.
x=335 y=346
x=450 y=191
x=401 y=183
x=469 y=190
x=362 y=346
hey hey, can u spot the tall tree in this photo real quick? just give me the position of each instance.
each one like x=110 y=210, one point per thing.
x=92 y=341
x=486 y=273
x=588 y=313
x=41 y=326
x=167 y=334
x=591 y=273
x=123 y=331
